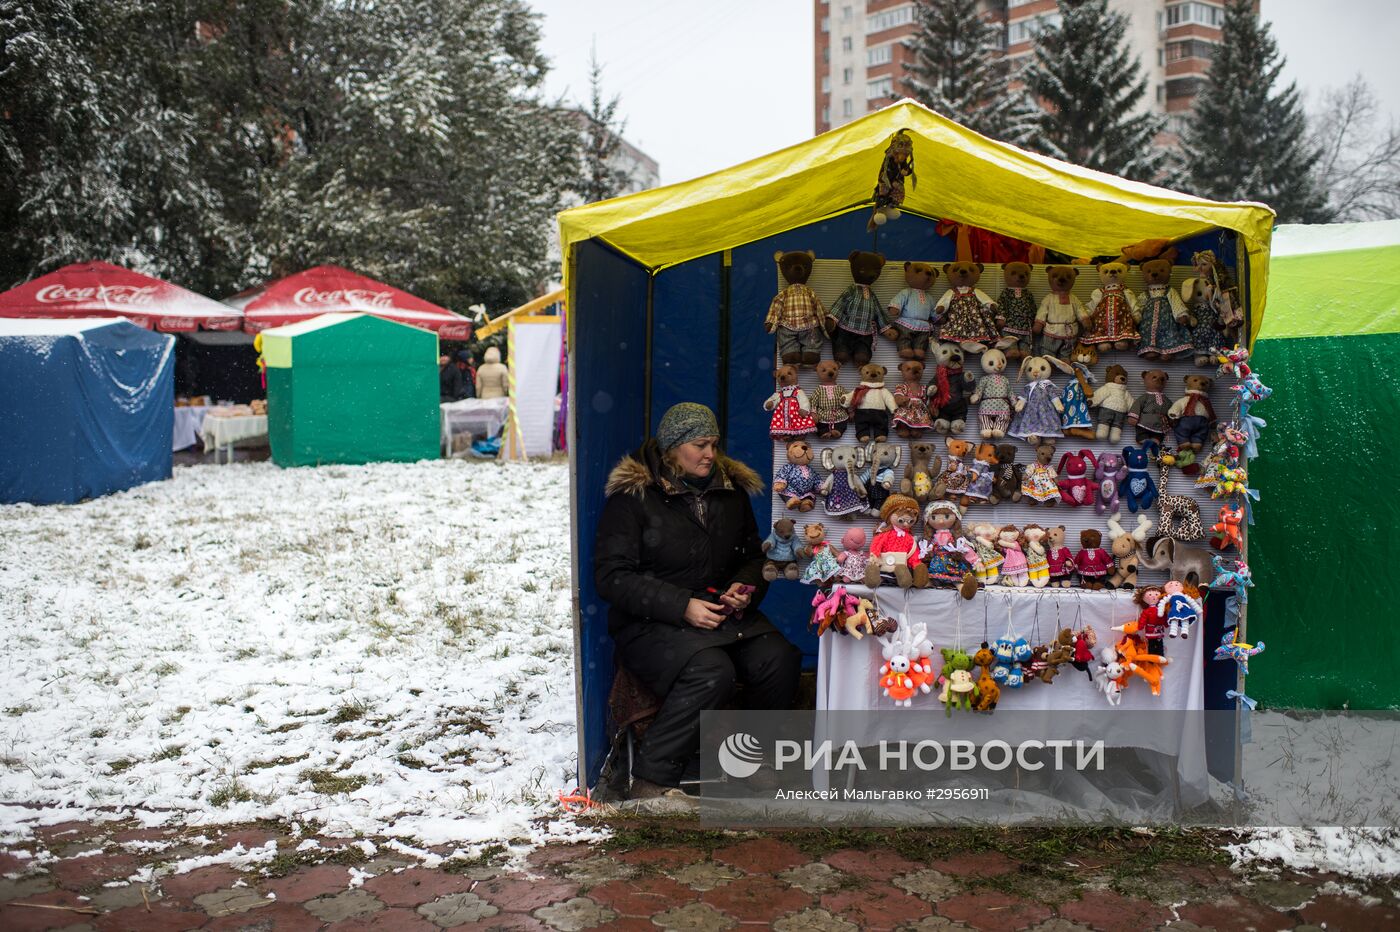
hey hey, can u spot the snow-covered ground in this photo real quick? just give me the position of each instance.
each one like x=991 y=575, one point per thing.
x=383 y=650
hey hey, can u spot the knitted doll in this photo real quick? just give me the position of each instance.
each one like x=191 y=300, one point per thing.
x=949 y=390
x=1180 y=609
x=894 y=551
x=1015 y=570
x=989 y=559
x=1113 y=312
x=872 y=404
x=911 y=417
x=1192 y=415
x=1148 y=414
x=1037 y=562
x=796 y=481
x=1111 y=403
x=831 y=404
x=1092 y=561
x=912 y=311
x=1062 y=566
x=1040 y=417
x=1018 y=307
x=1149 y=622
x=792 y=415
x=1165 y=319
x=856 y=314
x=796 y=315
x=953 y=480
x=970 y=318
x=947 y=555
x=1212 y=303
x=844 y=492
x=781 y=549
x=993 y=396
x=1083 y=655
x=1061 y=314
x=1041 y=482
x=1074 y=417
x=853 y=557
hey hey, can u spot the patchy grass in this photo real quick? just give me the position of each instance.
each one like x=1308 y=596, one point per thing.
x=349 y=712
x=283 y=729
x=490 y=855
x=411 y=762
x=287 y=862
x=231 y=791
x=120 y=765
x=276 y=762
x=329 y=783
x=17 y=710
x=169 y=752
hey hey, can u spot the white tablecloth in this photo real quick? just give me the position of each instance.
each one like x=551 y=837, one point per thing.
x=188 y=421
x=481 y=417
x=226 y=431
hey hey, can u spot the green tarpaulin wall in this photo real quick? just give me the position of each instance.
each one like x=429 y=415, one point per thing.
x=1323 y=543
x=351 y=388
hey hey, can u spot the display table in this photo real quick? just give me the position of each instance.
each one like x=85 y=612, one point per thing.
x=226 y=431
x=188 y=422
x=477 y=416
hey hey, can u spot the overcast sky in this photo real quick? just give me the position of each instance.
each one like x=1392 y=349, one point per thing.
x=707 y=84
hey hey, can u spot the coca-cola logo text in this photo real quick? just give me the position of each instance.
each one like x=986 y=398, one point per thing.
x=344 y=297
x=123 y=295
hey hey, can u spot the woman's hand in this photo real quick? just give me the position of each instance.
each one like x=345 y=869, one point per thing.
x=735 y=598
x=704 y=615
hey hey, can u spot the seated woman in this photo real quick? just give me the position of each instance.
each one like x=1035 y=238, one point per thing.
x=676 y=541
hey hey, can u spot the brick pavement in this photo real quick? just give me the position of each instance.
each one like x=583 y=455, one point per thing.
x=75 y=877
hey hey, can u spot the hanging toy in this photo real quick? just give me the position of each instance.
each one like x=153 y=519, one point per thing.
x=907 y=670
x=1237 y=580
x=897 y=165
x=1179 y=608
x=1251 y=390
x=1234 y=362
x=1238 y=651
x=1225 y=533
x=1113 y=676
x=830 y=609
x=988 y=693
x=956 y=677
x=1084 y=642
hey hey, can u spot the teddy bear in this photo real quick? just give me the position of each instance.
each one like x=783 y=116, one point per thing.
x=894 y=551
x=911 y=313
x=1109 y=473
x=1092 y=562
x=952 y=481
x=921 y=474
x=1148 y=414
x=1192 y=416
x=1076 y=488
x=796 y=314
x=993 y=397
x=1018 y=306
x=1060 y=558
x=856 y=314
x=896 y=165
x=1040 y=417
x=842 y=488
x=872 y=404
x=881 y=460
x=969 y=317
x=792 y=412
x=1006 y=484
x=1111 y=403
x=911 y=417
x=1061 y=313
x=796 y=481
x=949 y=390
x=830 y=402
x=781 y=549
x=1113 y=310
x=1041 y=484
x=823 y=566
x=1139 y=490
x=981 y=474
x=1213 y=306
x=1037 y=562
x=1164 y=320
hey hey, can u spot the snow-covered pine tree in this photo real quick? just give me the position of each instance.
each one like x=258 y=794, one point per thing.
x=957 y=69
x=602 y=138
x=1091 y=85
x=1247 y=139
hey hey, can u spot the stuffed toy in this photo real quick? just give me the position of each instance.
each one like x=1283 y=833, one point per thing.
x=1179 y=608
x=1076 y=488
x=1111 y=403
x=911 y=417
x=987 y=567
x=952 y=481
x=796 y=481
x=970 y=318
x=862 y=617
x=897 y=165
x=981 y=474
x=1084 y=643
x=946 y=557
x=1165 y=321
x=1238 y=651
x=1062 y=565
x=988 y=693
x=1018 y=307
x=1075 y=418
x=1138 y=489
x=1015 y=571
x=1178 y=517
x=1040 y=417
x=1112 y=677
x=1125 y=546
x=1113 y=311
x=853 y=557
x=856 y=314
x=1061 y=314
x=1189 y=564
x=842 y=488
x=1149 y=624
x=872 y=405
x=1037 y=563
x=1140 y=662
x=1092 y=562
x=781 y=549
x=1148 y=413
x=823 y=566
x=1109 y=474
x=831 y=609
x=956 y=677
x=921 y=475
x=796 y=314
x=894 y=551
x=1225 y=533
x=1237 y=580
x=881 y=460
x=1055 y=655
x=912 y=311
x=897 y=674
x=1213 y=305
x=792 y=413
x=1191 y=415
x=949 y=390
x=1006 y=486
x=1041 y=483
x=993 y=396
x=831 y=404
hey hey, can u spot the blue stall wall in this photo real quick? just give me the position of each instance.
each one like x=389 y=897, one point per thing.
x=609 y=365
x=685 y=357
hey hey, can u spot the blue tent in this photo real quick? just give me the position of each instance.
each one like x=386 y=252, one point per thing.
x=86 y=408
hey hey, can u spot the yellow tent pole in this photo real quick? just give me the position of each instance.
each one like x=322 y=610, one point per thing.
x=512 y=441
x=524 y=310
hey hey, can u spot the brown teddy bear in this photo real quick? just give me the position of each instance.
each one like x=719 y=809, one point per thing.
x=872 y=404
x=1061 y=560
x=781 y=550
x=1111 y=403
x=981 y=474
x=911 y=415
x=792 y=412
x=1113 y=310
x=920 y=476
x=1006 y=484
x=1017 y=305
x=949 y=389
x=1092 y=562
x=952 y=481
x=1164 y=320
x=856 y=314
x=796 y=314
x=1149 y=411
x=1041 y=483
x=1061 y=314
x=1192 y=416
x=970 y=318
x=912 y=311
x=796 y=481
x=830 y=402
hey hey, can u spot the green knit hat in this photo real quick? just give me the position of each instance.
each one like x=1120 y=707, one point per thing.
x=685 y=422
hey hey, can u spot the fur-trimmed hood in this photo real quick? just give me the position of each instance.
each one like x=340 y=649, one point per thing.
x=634 y=472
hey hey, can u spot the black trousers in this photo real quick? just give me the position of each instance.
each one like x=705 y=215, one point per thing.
x=768 y=666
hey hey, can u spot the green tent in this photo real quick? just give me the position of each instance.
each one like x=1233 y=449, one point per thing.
x=1322 y=546
x=351 y=388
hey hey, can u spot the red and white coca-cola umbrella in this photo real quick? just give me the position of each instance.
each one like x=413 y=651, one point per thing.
x=328 y=289
x=100 y=289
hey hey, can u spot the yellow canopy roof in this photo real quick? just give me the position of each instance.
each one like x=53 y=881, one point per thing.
x=962 y=176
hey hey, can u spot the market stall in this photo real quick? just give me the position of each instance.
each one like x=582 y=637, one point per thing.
x=100 y=289
x=85 y=408
x=537 y=361
x=668 y=292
